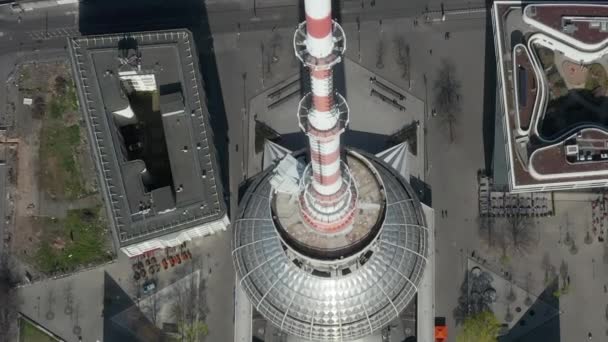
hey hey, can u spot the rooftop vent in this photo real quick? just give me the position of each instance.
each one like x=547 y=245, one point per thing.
x=571 y=150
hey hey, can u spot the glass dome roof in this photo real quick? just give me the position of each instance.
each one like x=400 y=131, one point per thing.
x=349 y=304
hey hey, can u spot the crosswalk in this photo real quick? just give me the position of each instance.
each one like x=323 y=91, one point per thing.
x=53 y=33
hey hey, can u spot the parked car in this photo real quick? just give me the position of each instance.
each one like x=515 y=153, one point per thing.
x=149 y=286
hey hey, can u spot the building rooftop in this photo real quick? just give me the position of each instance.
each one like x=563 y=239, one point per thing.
x=552 y=61
x=158 y=169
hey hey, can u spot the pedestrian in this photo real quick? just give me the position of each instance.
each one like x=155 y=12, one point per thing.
x=430 y=51
x=589 y=336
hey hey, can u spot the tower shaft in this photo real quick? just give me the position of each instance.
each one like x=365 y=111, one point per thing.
x=329 y=195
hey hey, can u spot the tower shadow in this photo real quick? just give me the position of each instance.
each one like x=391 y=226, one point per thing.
x=489 y=92
x=122 y=319
x=541 y=322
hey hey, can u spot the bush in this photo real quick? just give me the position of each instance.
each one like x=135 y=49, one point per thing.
x=481 y=327
x=38 y=107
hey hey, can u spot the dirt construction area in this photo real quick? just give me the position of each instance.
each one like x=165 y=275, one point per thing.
x=57 y=219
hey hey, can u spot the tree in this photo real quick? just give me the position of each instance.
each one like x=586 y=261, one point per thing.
x=402 y=56
x=193 y=332
x=481 y=327
x=521 y=230
x=61 y=85
x=476 y=295
x=486 y=230
x=447 y=95
x=548 y=267
x=275 y=44
x=380 y=54
x=188 y=308
x=38 y=107
x=151 y=307
x=8 y=300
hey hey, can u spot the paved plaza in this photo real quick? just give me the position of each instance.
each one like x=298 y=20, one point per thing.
x=73 y=306
x=251 y=63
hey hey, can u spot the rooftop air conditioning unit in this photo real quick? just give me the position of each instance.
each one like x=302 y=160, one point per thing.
x=571 y=150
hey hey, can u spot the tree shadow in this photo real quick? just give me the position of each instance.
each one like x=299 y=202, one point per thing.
x=474 y=297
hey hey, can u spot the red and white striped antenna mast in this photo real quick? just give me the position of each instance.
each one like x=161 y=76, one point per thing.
x=328 y=197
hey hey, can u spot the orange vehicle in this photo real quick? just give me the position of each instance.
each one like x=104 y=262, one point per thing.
x=441 y=330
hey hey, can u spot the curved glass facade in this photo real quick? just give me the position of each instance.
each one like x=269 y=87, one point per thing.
x=347 y=304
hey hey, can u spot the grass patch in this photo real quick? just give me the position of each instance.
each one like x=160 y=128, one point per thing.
x=29 y=333
x=65 y=99
x=59 y=142
x=596 y=77
x=78 y=239
x=60 y=173
x=546 y=56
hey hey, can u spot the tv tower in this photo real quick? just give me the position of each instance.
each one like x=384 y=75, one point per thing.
x=329 y=197
x=329 y=244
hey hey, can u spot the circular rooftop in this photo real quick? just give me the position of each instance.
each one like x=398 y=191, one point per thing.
x=369 y=215
x=324 y=303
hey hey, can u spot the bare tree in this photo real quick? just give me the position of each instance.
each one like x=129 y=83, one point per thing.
x=8 y=300
x=521 y=229
x=402 y=56
x=529 y=280
x=447 y=95
x=151 y=307
x=563 y=273
x=69 y=299
x=270 y=55
x=38 y=107
x=186 y=309
x=548 y=268
x=276 y=43
x=522 y=233
x=486 y=230
x=61 y=85
x=380 y=54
